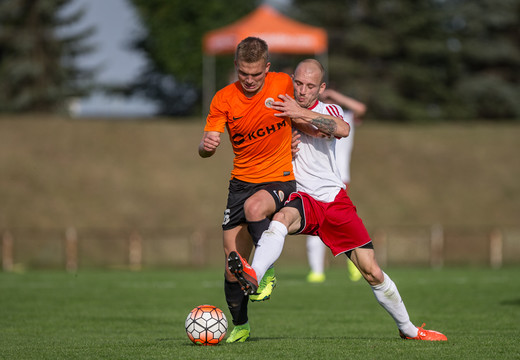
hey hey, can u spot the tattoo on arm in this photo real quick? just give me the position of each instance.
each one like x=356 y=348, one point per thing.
x=328 y=126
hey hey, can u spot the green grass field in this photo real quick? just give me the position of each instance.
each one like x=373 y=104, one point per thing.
x=140 y=315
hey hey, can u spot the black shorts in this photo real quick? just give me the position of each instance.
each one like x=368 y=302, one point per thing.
x=298 y=205
x=240 y=191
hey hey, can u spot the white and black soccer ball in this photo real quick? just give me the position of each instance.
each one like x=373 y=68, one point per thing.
x=206 y=325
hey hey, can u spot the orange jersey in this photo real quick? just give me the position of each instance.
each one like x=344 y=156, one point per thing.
x=261 y=141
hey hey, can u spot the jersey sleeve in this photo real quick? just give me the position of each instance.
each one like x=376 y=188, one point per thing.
x=336 y=110
x=218 y=114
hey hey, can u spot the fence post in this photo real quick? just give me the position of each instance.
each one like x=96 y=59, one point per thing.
x=135 y=251
x=7 y=251
x=437 y=246
x=495 y=249
x=71 y=249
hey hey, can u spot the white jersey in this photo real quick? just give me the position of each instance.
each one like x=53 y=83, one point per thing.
x=315 y=166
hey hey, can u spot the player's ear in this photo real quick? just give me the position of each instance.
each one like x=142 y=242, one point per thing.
x=323 y=86
x=267 y=67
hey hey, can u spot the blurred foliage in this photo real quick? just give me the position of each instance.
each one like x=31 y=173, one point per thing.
x=420 y=60
x=417 y=60
x=423 y=59
x=37 y=68
x=172 y=46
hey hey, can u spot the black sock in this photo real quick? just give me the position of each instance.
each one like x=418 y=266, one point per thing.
x=256 y=228
x=237 y=302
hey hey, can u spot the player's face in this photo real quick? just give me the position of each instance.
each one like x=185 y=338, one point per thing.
x=252 y=75
x=307 y=85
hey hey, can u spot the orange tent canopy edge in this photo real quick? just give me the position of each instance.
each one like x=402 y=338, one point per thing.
x=282 y=34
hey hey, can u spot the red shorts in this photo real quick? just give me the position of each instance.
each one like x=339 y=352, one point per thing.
x=336 y=223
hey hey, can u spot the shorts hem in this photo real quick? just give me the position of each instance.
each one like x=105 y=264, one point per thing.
x=355 y=247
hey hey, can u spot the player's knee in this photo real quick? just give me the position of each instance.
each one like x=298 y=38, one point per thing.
x=289 y=217
x=279 y=216
x=284 y=218
x=373 y=274
x=254 y=209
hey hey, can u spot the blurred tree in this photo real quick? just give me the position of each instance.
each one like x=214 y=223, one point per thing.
x=423 y=59
x=487 y=35
x=408 y=59
x=37 y=67
x=391 y=54
x=172 y=46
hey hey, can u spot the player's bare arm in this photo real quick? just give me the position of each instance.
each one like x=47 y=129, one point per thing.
x=327 y=124
x=334 y=97
x=209 y=143
x=309 y=129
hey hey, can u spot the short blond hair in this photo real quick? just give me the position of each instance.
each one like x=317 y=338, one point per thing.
x=252 y=49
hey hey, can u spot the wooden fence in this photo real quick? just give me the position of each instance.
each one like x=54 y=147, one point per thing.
x=72 y=249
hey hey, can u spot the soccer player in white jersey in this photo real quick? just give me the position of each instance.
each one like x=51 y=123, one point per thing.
x=321 y=206
x=353 y=112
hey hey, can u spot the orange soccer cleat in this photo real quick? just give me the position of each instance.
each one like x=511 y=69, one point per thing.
x=244 y=273
x=428 y=335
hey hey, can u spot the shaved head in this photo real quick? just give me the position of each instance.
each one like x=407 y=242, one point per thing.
x=311 y=65
x=308 y=82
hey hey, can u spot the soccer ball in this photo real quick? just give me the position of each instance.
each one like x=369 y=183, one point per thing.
x=206 y=325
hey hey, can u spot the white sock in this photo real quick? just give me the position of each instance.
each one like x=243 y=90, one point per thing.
x=388 y=296
x=316 y=254
x=269 y=248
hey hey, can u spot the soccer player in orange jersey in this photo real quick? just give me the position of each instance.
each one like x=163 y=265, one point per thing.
x=262 y=176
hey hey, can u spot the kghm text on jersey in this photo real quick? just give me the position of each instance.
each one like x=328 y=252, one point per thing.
x=259 y=133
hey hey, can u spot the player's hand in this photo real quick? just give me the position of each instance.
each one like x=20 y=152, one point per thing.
x=287 y=107
x=209 y=144
x=294 y=143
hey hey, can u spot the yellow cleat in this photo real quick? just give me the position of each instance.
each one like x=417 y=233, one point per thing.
x=266 y=286
x=239 y=334
x=314 y=277
x=353 y=271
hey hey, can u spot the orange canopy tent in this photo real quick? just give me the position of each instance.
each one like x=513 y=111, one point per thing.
x=282 y=34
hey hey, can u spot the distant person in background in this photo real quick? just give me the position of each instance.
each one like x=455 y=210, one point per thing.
x=353 y=112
